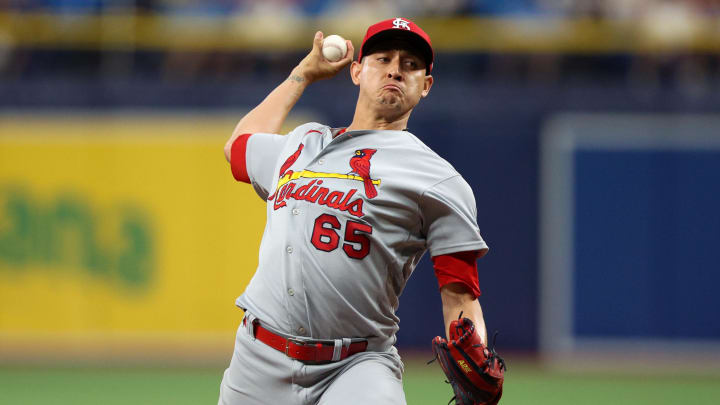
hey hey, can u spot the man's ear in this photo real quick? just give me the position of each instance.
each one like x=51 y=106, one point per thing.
x=355 y=69
x=428 y=83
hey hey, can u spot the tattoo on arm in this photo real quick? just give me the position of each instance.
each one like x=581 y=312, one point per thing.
x=296 y=78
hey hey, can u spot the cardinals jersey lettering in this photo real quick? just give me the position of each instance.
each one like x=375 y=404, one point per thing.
x=349 y=215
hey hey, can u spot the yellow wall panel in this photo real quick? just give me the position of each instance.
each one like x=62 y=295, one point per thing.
x=127 y=224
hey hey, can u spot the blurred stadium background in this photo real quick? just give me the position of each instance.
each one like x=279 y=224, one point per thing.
x=588 y=129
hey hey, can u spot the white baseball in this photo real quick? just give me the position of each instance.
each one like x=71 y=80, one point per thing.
x=334 y=48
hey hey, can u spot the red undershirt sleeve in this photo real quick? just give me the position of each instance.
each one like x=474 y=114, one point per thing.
x=238 y=164
x=458 y=267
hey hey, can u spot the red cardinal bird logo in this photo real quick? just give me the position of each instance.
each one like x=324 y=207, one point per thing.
x=360 y=164
x=290 y=160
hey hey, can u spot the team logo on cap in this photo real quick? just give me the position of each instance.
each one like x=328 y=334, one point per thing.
x=400 y=23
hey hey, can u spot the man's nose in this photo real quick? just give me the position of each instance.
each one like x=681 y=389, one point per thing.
x=394 y=71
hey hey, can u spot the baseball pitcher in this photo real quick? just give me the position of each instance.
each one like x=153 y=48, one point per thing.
x=350 y=212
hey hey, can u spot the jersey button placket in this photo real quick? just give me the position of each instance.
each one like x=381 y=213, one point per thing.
x=294 y=250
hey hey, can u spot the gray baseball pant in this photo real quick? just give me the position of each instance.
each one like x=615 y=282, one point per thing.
x=261 y=375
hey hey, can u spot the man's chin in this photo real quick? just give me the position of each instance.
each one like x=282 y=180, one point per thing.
x=390 y=101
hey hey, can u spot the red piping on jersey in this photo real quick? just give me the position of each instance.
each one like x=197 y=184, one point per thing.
x=458 y=267
x=238 y=163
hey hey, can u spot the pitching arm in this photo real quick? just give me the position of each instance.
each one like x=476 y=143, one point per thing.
x=271 y=113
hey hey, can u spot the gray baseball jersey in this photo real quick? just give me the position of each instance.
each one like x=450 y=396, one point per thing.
x=348 y=219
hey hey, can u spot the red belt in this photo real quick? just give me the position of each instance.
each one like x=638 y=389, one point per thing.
x=307 y=351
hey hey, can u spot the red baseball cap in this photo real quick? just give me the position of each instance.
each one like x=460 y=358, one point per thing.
x=398 y=27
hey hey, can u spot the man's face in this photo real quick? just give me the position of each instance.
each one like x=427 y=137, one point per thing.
x=392 y=79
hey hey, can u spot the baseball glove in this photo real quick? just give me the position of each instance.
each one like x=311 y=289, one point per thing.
x=475 y=372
